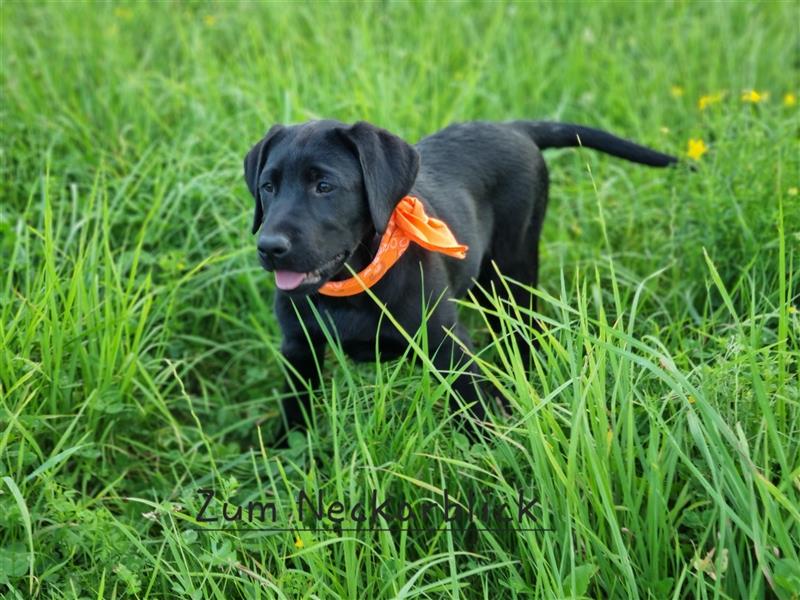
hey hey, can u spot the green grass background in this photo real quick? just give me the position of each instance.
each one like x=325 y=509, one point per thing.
x=659 y=427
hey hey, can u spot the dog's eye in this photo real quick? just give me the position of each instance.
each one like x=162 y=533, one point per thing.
x=323 y=187
x=267 y=187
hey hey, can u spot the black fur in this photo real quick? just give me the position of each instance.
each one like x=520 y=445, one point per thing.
x=487 y=181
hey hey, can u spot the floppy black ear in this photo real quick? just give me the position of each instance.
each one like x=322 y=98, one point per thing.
x=253 y=163
x=389 y=165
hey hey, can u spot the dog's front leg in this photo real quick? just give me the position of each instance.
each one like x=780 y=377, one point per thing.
x=303 y=348
x=304 y=364
x=450 y=354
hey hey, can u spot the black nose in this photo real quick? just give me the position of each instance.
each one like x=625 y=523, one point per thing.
x=273 y=246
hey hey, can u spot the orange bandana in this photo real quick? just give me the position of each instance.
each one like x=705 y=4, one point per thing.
x=408 y=223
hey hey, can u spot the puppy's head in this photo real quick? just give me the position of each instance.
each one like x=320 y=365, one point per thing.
x=320 y=188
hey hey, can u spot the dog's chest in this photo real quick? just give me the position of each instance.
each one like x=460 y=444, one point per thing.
x=357 y=330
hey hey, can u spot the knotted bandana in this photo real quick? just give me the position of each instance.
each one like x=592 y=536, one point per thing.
x=408 y=223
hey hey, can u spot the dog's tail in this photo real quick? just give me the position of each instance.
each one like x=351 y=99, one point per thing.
x=549 y=134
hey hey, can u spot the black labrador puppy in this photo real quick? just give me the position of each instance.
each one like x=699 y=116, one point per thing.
x=324 y=193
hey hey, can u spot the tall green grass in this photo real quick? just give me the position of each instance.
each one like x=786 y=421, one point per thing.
x=658 y=424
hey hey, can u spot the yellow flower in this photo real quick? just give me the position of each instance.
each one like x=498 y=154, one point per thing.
x=754 y=97
x=696 y=149
x=210 y=20
x=298 y=543
x=792 y=310
x=792 y=191
x=691 y=399
x=789 y=99
x=676 y=91
x=709 y=99
x=123 y=13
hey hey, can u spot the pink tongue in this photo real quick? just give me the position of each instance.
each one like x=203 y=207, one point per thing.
x=288 y=280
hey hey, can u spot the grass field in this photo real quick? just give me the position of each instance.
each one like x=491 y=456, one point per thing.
x=659 y=429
